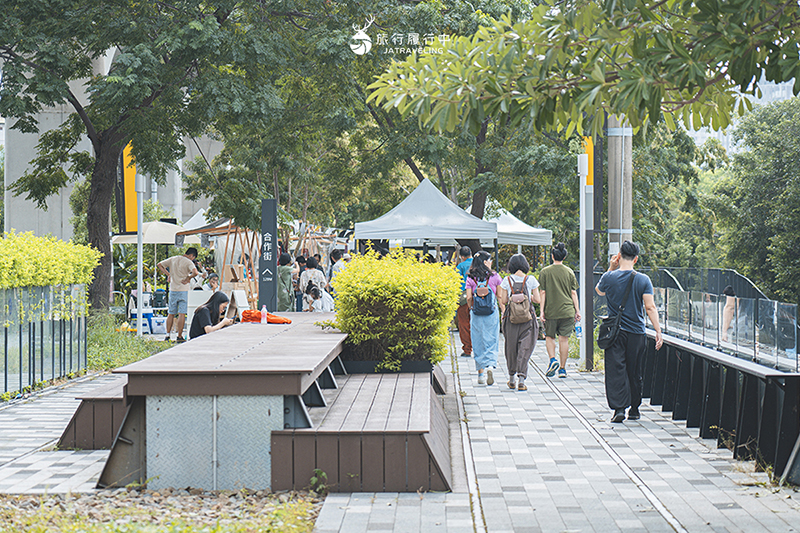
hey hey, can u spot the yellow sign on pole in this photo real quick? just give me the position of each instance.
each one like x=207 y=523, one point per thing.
x=129 y=222
x=588 y=149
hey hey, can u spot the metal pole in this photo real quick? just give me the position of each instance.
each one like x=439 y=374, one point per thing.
x=140 y=252
x=586 y=194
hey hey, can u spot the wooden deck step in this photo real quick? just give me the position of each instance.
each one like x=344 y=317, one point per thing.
x=380 y=432
x=97 y=420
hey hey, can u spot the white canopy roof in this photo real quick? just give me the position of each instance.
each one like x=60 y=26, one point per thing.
x=155 y=232
x=511 y=230
x=426 y=213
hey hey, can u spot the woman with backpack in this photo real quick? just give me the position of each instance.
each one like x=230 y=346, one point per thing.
x=516 y=295
x=482 y=283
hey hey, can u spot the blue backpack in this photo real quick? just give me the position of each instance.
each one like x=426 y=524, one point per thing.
x=483 y=300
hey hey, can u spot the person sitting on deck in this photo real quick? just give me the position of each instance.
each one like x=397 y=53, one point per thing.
x=210 y=316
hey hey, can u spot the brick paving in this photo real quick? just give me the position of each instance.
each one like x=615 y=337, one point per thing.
x=30 y=429
x=548 y=460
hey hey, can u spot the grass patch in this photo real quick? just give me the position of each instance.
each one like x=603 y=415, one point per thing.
x=124 y=513
x=108 y=348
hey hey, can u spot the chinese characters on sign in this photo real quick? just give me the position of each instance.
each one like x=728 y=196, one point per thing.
x=266 y=255
x=405 y=43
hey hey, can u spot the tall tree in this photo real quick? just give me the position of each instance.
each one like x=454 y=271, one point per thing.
x=759 y=202
x=176 y=67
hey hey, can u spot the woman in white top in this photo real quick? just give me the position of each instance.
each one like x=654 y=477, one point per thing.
x=520 y=328
x=311 y=275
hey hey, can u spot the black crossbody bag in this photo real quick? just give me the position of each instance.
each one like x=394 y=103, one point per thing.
x=609 y=327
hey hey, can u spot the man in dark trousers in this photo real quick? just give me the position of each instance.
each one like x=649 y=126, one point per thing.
x=624 y=358
x=462 y=315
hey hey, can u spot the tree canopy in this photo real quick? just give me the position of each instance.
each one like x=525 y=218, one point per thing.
x=759 y=200
x=570 y=64
x=176 y=68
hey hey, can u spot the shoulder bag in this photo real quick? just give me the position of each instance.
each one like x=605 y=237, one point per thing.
x=609 y=327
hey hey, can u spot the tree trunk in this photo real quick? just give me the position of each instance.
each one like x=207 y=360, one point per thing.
x=98 y=216
x=479 y=196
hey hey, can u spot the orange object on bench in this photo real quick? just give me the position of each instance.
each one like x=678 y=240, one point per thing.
x=250 y=315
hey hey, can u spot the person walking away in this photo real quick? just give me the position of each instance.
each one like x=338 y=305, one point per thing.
x=285 y=291
x=623 y=359
x=462 y=315
x=336 y=266
x=482 y=284
x=179 y=270
x=300 y=266
x=516 y=295
x=559 y=309
x=312 y=274
x=210 y=316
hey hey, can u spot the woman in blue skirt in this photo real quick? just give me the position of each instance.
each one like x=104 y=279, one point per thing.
x=482 y=283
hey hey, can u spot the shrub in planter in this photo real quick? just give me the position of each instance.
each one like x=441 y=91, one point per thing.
x=30 y=261
x=395 y=309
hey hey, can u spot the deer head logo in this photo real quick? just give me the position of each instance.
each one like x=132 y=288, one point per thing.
x=360 y=43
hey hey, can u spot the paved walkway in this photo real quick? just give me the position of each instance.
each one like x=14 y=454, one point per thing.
x=542 y=460
x=30 y=429
x=549 y=460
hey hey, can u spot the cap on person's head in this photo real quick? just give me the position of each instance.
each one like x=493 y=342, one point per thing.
x=346 y=257
x=629 y=250
x=213 y=275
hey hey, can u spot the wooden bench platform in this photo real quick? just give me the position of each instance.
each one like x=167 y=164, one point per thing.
x=244 y=359
x=382 y=432
x=97 y=420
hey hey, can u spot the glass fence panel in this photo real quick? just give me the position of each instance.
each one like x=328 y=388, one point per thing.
x=786 y=333
x=696 y=316
x=678 y=312
x=660 y=299
x=711 y=315
x=742 y=331
x=766 y=351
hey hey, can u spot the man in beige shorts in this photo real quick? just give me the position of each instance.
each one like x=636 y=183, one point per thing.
x=559 y=309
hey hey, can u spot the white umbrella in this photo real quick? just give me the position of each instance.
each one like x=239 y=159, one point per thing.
x=156 y=232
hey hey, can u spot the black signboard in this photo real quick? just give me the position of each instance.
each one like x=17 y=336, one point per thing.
x=268 y=263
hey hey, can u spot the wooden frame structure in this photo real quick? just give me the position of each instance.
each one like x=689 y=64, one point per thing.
x=244 y=271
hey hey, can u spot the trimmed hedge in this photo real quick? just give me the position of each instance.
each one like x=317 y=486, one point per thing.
x=30 y=261
x=396 y=309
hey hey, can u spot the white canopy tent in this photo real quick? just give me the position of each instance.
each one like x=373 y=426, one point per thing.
x=427 y=214
x=511 y=230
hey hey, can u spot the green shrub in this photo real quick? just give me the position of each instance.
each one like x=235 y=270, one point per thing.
x=395 y=309
x=30 y=261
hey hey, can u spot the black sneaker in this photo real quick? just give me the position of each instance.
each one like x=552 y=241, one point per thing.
x=465 y=354
x=619 y=415
x=633 y=414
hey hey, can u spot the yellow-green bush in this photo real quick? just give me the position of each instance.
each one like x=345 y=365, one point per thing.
x=30 y=261
x=395 y=309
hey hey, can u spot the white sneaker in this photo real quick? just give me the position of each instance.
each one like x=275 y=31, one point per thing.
x=489 y=377
x=481 y=379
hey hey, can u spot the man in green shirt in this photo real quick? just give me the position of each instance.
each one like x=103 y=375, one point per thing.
x=559 y=308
